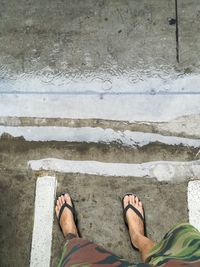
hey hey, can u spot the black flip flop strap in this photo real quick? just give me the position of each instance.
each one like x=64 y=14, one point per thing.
x=135 y=210
x=65 y=205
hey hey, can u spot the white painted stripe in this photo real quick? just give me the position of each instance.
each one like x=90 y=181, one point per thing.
x=96 y=135
x=194 y=203
x=162 y=171
x=114 y=107
x=43 y=222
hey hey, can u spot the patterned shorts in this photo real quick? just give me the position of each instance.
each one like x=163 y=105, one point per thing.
x=179 y=247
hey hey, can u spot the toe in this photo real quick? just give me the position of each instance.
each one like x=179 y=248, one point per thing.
x=62 y=200
x=126 y=201
x=58 y=203
x=132 y=200
x=68 y=199
x=57 y=211
x=136 y=200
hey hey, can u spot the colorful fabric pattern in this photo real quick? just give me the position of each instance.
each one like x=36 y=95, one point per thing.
x=179 y=248
x=181 y=243
x=81 y=252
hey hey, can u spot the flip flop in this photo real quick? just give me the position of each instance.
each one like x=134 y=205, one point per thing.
x=71 y=208
x=130 y=206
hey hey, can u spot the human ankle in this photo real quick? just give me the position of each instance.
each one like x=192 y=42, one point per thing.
x=136 y=239
x=70 y=231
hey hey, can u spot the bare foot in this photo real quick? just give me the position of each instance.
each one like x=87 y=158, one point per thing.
x=67 y=219
x=135 y=223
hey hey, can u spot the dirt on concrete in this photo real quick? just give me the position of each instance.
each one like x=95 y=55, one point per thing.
x=17 y=191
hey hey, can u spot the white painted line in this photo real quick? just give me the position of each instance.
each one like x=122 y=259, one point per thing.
x=162 y=171
x=194 y=203
x=114 y=107
x=95 y=135
x=43 y=222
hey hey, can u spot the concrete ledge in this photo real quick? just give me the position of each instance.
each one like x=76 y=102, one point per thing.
x=43 y=222
x=194 y=203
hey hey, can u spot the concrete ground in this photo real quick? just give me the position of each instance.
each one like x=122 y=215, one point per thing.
x=96 y=64
x=95 y=197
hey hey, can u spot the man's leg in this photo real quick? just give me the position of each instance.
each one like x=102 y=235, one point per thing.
x=78 y=251
x=136 y=226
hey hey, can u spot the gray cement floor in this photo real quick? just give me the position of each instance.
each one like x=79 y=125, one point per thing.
x=93 y=40
x=51 y=46
x=98 y=202
x=95 y=196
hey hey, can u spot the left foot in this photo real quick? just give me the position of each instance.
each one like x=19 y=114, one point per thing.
x=67 y=219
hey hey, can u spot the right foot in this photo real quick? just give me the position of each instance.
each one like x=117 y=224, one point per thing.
x=67 y=219
x=135 y=223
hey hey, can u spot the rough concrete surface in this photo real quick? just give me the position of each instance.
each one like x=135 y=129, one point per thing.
x=110 y=36
x=95 y=63
x=98 y=202
x=16 y=213
x=95 y=196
